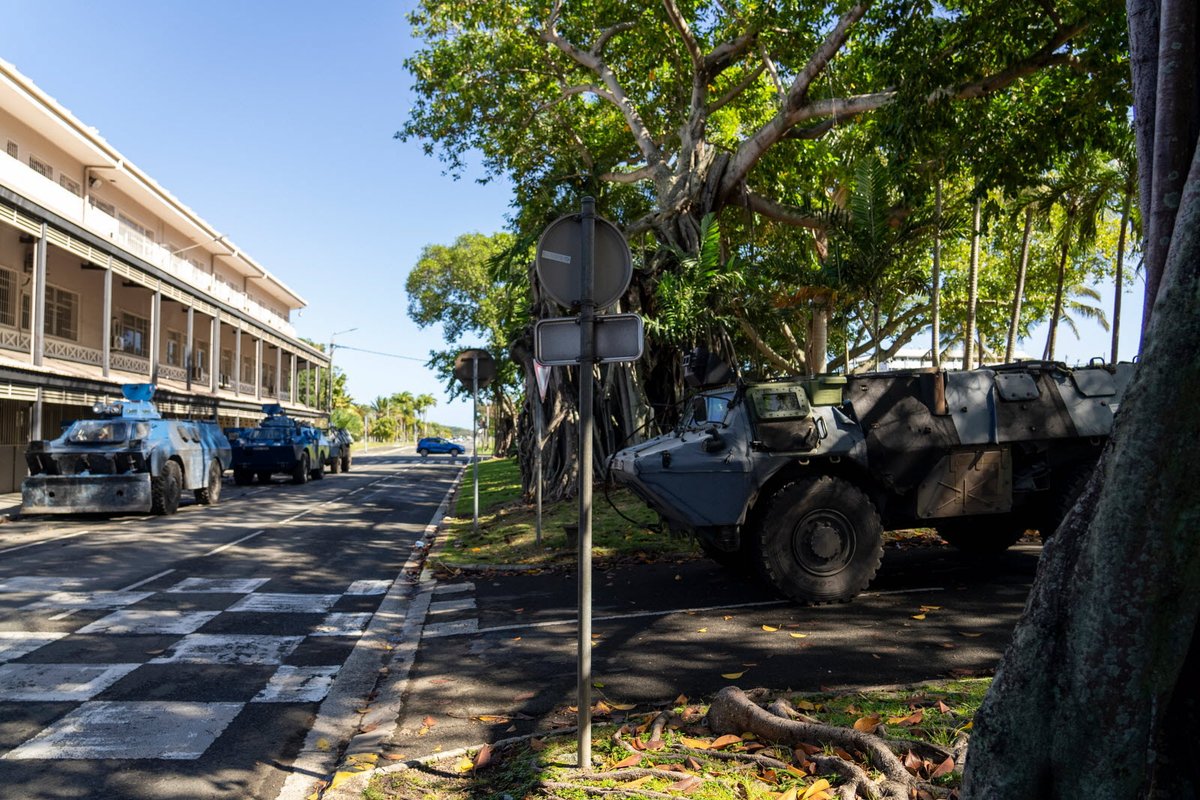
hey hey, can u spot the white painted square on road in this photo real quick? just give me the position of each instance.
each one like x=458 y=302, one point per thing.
x=150 y=620
x=14 y=644
x=60 y=601
x=292 y=684
x=51 y=683
x=459 y=604
x=270 y=603
x=125 y=730
x=341 y=624
x=40 y=583
x=204 y=648
x=454 y=588
x=368 y=587
x=218 y=585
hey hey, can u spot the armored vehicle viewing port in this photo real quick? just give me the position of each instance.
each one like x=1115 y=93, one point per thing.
x=279 y=444
x=800 y=477
x=129 y=460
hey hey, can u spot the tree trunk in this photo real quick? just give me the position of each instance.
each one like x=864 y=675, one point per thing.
x=817 y=346
x=1019 y=294
x=1119 y=279
x=1176 y=123
x=935 y=280
x=972 y=286
x=1056 y=313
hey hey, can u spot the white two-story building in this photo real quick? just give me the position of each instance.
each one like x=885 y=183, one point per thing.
x=106 y=279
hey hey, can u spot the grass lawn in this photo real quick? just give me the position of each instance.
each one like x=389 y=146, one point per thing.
x=507 y=525
x=629 y=764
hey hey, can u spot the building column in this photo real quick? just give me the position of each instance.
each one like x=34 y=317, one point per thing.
x=214 y=354
x=237 y=359
x=106 y=346
x=293 y=392
x=35 y=417
x=187 y=346
x=278 y=374
x=258 y=345
x=155 y=334
x=37 y=321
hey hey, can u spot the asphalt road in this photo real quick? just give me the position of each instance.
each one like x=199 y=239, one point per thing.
x=498 y=654
x=164 y=658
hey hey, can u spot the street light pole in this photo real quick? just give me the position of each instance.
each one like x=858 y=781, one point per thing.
x=333 y=336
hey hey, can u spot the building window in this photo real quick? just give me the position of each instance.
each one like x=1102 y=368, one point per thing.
x=107 y=208
x=131 y=334
x=8 y=294
x=199 y=359
x=226 y=367
x=70 y=185
x=41 y=167
x=61 y=313
x=247 y=369
x=135 y=227
x=174 y=348
x=13 y=150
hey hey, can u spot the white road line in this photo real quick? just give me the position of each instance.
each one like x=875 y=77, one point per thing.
x=233 y=544
x=143 y=582
x=42 y=541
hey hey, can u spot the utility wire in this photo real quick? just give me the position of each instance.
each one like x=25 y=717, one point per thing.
x=377 y=353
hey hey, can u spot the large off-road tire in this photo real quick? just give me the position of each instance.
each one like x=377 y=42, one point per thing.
x=984 y=535
x=300 y=472
x=820 y=541
x=243 y=477
x=319 y=471
x=346 y=463
x=334 y=466
x=210 y=493
x=165 y=489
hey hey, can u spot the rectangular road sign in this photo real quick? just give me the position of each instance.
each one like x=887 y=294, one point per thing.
x=619 y=337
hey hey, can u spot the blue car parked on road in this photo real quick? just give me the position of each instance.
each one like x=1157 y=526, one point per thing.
x=436 y=444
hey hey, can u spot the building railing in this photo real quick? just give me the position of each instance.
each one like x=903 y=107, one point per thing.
x=16 y=174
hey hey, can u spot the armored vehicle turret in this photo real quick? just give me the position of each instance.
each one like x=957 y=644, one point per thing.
x=800 y=477
x=129 y=459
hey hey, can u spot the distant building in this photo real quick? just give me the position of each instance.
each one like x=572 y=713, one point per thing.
x=920 y=358
x=106 y=278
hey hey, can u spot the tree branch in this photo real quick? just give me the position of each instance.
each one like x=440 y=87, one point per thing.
x=640 y=174
x=685 y=33
x=781 y=213
x=737 y=90
x=821 y=58
x=608 y=33
x=777 y=361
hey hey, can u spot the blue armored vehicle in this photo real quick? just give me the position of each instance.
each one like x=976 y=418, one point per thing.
x=130 y=459
x=798 y=478
x=279 y=444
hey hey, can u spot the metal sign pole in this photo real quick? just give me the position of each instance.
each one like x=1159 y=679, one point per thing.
x=475 y=432
x=538 y=422
x=587 y=357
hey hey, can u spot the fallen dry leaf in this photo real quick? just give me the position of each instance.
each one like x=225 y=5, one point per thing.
x=943 y=768
x=918 y=616
x=695 y=744
x=867 y=724
x=818 y=790
x=464 y=765
x=493 y=718
x=942 y=707
x=688 y=784
x=727 y=740
x=790 y=794
x=701 y=630
x=628 y=761
x=733 y=676
x=483 y=758
x=769 y=629
x=914 y=718
x=798 y=635
x=681 y=700
x=809 y=749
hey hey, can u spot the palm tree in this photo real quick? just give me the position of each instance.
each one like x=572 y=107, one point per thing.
x=423 y=402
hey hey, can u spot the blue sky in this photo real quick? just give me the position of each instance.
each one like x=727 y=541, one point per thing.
x=273 y=121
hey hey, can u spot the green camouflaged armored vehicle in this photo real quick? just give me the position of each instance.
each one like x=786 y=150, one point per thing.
x=800 y=477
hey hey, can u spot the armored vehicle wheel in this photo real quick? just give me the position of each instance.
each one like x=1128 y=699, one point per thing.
x=319 y=472
x=346 y=463
x=165 y=489
x=243 y=477
x=737 y=560
x=300 y=473
x=820 y=541
x=422 y=452
x=210 y=493
x=334 y=466
x=986 y=535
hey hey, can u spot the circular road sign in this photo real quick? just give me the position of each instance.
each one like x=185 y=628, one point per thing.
x=559 y=266
x=463 y=369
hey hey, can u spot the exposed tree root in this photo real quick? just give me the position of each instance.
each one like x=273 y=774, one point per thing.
x=734 y=712
x=604 y=792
